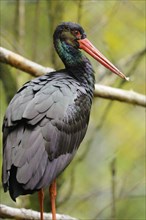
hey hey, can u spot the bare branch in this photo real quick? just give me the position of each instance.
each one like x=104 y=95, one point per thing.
x=19 y=62
x=121 y=95
x=26 y=214
x=35 y=69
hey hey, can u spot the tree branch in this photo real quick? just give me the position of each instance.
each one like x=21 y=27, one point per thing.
x=35 y=69
x=27 y=214
x=21 y=63
x=121 y=95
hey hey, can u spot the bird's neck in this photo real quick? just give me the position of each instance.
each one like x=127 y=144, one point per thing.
x=76 y=63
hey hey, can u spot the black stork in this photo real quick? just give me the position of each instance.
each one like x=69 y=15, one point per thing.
x=48 y=117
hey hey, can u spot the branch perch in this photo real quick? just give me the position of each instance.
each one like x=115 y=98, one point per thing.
x=27 y=214
x=19 y=62
x=121 y=95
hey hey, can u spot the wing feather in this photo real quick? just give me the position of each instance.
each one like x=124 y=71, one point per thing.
x=43 y=127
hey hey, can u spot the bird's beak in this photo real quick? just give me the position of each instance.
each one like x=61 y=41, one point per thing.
x=87 y=46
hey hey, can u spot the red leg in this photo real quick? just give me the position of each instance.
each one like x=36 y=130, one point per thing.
x=41 y=201
x=53 y=193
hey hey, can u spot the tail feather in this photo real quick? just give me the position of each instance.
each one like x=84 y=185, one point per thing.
x=16 y=189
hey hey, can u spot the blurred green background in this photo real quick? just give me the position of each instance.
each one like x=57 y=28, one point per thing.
x=107 y=177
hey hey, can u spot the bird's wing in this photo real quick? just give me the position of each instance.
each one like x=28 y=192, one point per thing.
x=43 y=127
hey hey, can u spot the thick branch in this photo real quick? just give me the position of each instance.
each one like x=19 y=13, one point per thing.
x=35 y=69
x=26 y=214
x=19 y=62
x=121 y=95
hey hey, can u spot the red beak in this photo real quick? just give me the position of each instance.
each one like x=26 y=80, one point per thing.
x=86 y=45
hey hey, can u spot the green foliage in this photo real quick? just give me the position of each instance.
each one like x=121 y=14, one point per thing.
x=116 y=130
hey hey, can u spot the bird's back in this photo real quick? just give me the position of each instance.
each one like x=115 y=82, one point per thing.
x=43 y=127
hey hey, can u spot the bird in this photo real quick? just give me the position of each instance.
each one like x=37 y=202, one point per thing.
x=47 y=118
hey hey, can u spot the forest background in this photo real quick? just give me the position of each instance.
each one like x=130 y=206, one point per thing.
x=107 y=177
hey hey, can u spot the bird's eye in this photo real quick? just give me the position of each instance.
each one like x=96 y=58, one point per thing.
x=77 y=34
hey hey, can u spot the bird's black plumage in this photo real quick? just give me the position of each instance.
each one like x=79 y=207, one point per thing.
x=47 y=119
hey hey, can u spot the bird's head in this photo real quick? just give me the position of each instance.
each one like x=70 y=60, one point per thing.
x=73 y=35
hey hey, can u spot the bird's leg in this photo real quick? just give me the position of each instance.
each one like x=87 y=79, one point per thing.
x=53 y=193
x=41 y=201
